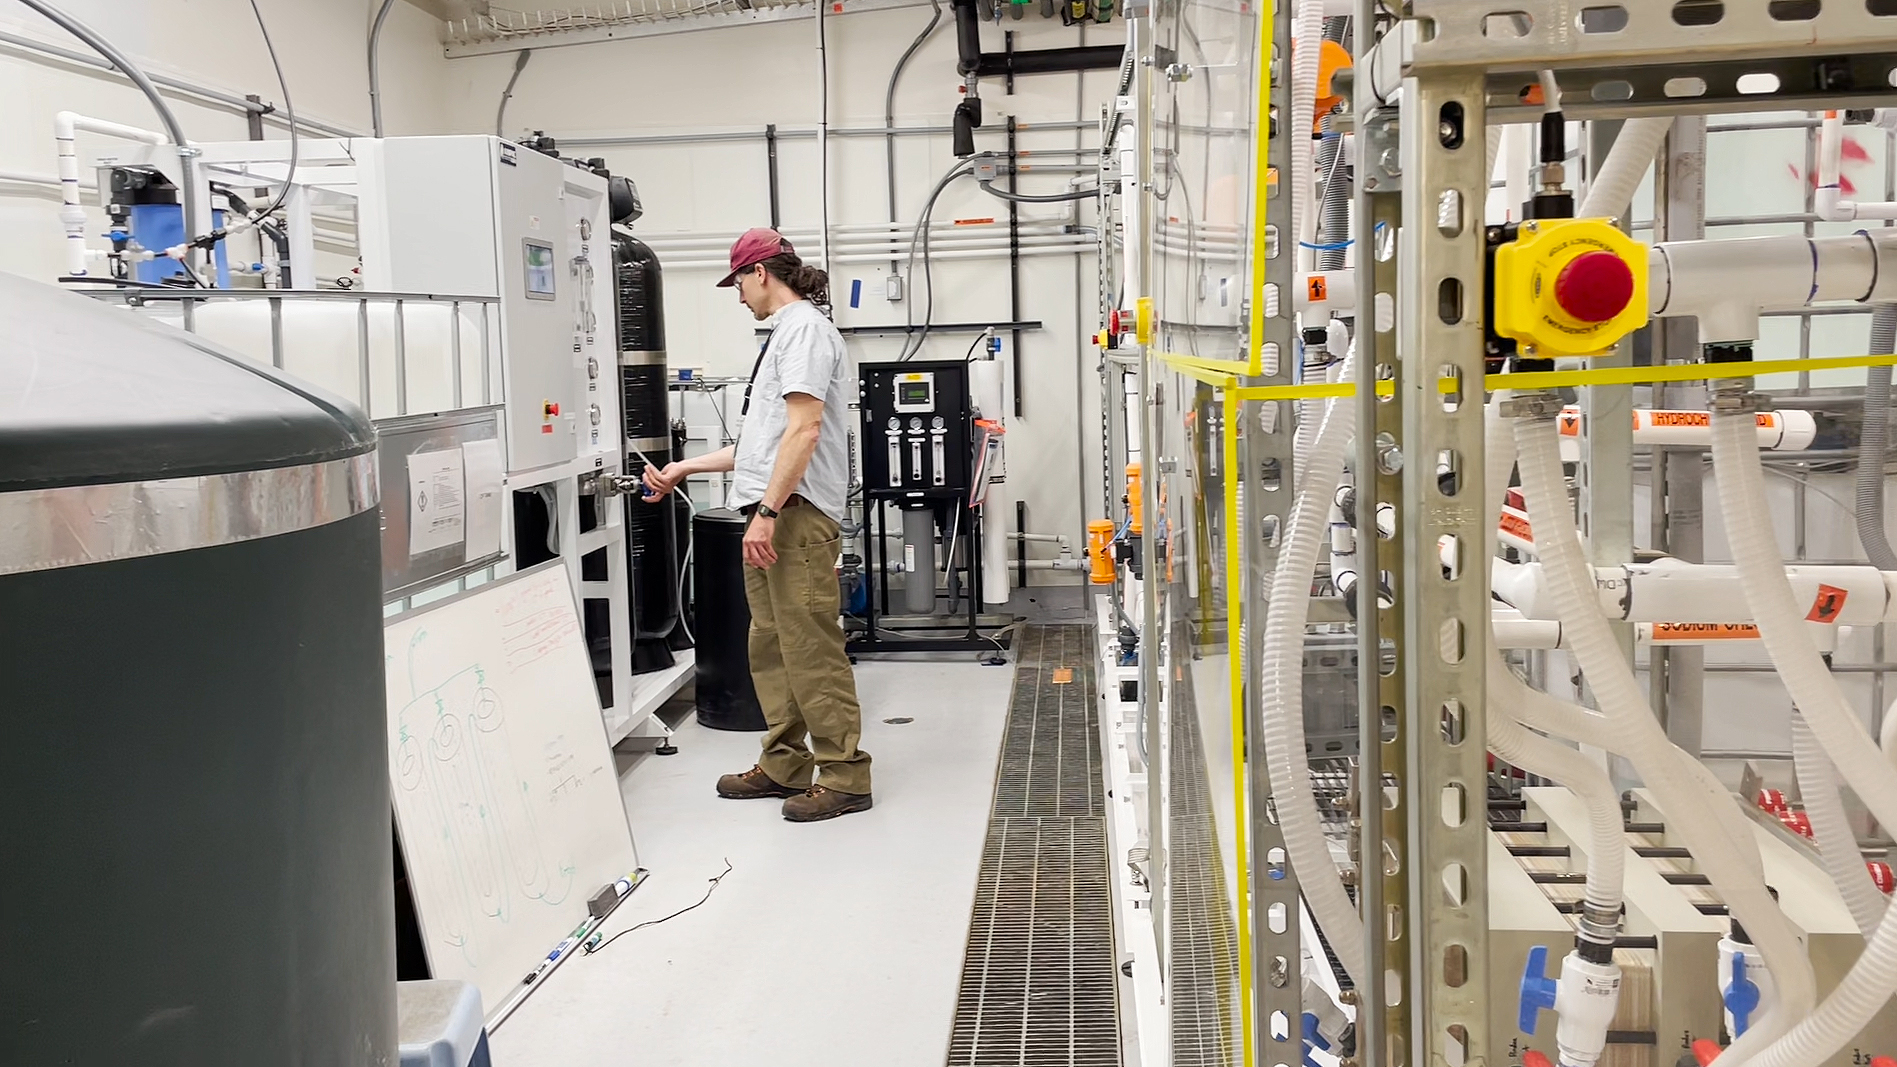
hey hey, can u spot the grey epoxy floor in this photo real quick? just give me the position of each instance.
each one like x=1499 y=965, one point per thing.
x=830 y=945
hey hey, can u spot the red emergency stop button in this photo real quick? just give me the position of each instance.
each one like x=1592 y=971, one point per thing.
x=1595 y=286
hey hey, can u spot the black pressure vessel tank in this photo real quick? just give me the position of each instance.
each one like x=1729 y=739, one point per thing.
x=195 y=774
x=721 y=617
x=651 y=537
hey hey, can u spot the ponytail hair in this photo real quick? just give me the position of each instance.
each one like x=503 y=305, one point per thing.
x=811 y=283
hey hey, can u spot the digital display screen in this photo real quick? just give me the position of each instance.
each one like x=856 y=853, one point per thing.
x=916 y=393
x=539 y=267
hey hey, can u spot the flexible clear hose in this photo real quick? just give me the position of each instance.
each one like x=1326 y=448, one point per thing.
x=1612 y=189
x=1837 y=842
x=1689 y=800
x=1282 y=690
x=1781 y=621
x=1607 y=851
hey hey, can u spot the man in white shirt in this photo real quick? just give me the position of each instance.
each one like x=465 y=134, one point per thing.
x=792 y=474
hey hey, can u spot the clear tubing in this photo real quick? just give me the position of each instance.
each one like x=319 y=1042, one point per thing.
x=1781 y=621
x=1689 y=799
x=1607 y=851
x=1612 y=190
x=1283 y=685
x=1837 y=842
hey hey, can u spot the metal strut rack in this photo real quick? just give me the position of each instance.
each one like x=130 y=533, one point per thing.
x=1466 y=63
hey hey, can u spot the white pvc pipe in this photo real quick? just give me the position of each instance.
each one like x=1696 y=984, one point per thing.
x=72 y=215
x=1673 y=591
x=1789 y=430
x=1762 y=570
x=1837 y=842
x=1282 y=687
x=1613 y=187
x=1693 y=802
x=1828 y=200
x=1726 y=284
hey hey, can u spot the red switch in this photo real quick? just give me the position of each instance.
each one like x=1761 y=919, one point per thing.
x=1595 y=287
x=552 y=409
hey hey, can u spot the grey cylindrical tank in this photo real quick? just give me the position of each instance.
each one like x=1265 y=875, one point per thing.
x=194 y=774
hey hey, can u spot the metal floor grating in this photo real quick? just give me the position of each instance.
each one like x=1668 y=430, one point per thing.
x=1039 y=980
x=1206 y=1015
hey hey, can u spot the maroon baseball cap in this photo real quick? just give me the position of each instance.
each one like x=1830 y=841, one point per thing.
x=754 y=247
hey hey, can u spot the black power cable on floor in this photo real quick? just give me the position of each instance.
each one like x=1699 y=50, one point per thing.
x=592 y=948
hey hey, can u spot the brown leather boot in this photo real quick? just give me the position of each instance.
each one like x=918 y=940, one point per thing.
x=753 y=784
x=818 y=803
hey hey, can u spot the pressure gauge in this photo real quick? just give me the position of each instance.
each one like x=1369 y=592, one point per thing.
x=592 y=367
x=894 y=424
x=915 y=424
x=938 y=423
x=593 y=414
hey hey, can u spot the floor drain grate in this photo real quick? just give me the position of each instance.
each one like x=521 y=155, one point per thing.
x=1039 y=981
x=1206 y=1014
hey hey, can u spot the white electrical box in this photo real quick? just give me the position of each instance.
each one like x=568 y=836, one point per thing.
x=479 y=216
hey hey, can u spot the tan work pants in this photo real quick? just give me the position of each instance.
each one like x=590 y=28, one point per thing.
x=798 y=661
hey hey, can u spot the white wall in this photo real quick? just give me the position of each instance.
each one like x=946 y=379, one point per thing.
x=207 y=42
x=743 y=78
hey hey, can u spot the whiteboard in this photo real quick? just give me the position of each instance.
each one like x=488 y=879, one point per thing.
x=506 y=799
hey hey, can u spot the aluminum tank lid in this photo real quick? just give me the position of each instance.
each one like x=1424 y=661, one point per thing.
x=93 y=393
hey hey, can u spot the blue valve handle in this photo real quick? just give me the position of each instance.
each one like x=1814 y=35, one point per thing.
x=1312 y=1039
x=1742 y=996
x=1538 y=990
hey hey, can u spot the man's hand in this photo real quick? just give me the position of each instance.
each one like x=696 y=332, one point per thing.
x=662 y=482
x=759 y=552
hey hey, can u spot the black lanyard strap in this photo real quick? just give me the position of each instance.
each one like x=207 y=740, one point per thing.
x=755 y=367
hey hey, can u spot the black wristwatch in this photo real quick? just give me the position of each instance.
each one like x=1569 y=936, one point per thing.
x=766 y=510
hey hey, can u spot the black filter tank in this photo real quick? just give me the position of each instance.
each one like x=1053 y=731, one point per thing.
x=727 y=699
x=651 y=534
x=195 y=773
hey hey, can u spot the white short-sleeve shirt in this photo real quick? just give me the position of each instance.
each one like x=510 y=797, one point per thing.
x=805 y=354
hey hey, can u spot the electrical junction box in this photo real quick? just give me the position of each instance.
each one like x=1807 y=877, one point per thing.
x=1569 y=287
x=916 y=428
x=480 y=216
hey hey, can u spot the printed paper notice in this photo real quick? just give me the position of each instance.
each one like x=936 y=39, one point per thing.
x=436 y=507
x=482 y=460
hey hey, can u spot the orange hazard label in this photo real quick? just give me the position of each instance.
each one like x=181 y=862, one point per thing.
x=1705 y=631
x=1767 y=420
x=1517 y=527
x=1570 y=423
x=1828 y=604
x=975 y=222
x=1319 y=287
x=1689 y=419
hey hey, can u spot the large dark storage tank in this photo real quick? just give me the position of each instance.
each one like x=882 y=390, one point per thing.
x=651 y=536
x=194 y=776
x=727 y=698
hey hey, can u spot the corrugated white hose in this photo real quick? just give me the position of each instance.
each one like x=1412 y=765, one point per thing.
x=1612 y=189
x=1306 y=51
x=1781 y=623
x=1837 y=842
x=1690 y=801
x=1607 y=851
x=1282 y=691
x=1866 y=988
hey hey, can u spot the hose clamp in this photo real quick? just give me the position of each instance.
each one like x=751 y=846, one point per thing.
x=1540 y=405
x=1735 y=396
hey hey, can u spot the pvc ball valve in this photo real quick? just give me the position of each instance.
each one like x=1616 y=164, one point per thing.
x=1538 y=990
x=1741 y=997
x=1313 y=1038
